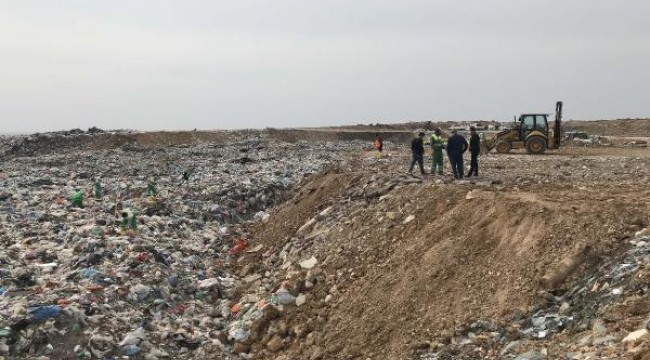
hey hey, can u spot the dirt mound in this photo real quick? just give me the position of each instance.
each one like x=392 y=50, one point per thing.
x=365 y=133
x=621 y=127
x=66 y=141
x=404 y=262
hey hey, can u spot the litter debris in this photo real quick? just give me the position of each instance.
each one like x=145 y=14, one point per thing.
x=635 y=336
x=408 y=219
x=309 y=263
x=135 y=268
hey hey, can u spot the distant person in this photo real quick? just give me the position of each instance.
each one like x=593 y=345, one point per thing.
x=474 y=151
x=379 y=145
x=417 y=149
x=456 y=147
x=437 y=145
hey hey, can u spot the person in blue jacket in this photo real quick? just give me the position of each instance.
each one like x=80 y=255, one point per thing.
x=456 y=146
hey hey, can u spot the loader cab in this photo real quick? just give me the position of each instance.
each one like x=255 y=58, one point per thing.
x=532 y=122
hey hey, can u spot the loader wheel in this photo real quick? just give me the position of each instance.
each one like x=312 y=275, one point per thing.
x=503 y=147
x=536 y=145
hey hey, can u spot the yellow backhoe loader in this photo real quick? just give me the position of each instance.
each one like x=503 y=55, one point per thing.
x=530 y=131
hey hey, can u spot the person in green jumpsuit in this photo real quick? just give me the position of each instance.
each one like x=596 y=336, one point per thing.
x=437 y=145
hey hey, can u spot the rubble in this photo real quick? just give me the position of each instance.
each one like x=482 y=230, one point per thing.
x=594 y=295
x=594 y=140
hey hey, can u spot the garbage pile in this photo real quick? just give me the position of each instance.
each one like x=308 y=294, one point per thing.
x=40 y=143
x=593 y=140
x=636 y=143
x=576 y=312
x=114 y=253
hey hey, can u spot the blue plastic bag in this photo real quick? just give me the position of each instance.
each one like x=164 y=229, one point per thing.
x=45 y=312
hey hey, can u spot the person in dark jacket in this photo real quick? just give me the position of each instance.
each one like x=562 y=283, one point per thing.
x=456 y=147
x=417 y=149
x=474 y=151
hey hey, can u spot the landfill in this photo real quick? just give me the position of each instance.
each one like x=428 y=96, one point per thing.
x=111 y=253
x=262 y=245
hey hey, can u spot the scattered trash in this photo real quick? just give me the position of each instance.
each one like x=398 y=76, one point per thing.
x=636 y=336
x=301 y=299
x=408 y=219
x=531 y=355
x=152 y=186
x=44 y=312
x=140 y=252
x=76 y=200
x=309 y=263
x=283 y=297
x=98 y=192
x=255 y=249
x=240 y=245
x=131 y=350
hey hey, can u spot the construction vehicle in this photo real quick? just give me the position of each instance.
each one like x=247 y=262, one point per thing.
x=531 y=131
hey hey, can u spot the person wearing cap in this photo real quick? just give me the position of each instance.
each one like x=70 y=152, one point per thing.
x=456 y=147
x=417 y=149
x=437 y=145
x=474 y=151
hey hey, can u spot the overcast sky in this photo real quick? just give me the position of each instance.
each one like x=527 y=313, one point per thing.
x=154 y=64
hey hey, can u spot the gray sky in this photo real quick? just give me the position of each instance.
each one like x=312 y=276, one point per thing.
x=154 y=64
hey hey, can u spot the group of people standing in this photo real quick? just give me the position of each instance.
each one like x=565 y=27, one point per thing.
x=455 y=146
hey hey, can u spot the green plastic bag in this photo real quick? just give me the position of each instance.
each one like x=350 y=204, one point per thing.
x=77 y=199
